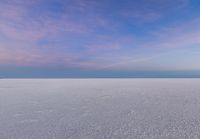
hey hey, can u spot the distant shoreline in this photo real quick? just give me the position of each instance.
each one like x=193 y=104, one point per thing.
x=100 y=78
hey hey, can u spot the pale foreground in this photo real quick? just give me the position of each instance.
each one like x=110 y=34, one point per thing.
x=100 y=109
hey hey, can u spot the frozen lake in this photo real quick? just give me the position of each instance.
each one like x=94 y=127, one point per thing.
x=100 y=109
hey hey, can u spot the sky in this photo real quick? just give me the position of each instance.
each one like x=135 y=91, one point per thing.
x=99 y=38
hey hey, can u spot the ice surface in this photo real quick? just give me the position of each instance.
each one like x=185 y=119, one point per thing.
x=100 y=109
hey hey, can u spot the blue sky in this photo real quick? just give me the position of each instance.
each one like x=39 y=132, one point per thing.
x=84 y=38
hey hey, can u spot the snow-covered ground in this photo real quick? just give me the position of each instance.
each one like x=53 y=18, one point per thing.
x=100 y=109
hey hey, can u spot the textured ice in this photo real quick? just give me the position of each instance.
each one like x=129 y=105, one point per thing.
x=100 y=109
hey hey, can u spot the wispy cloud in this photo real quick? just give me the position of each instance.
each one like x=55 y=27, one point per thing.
x=166 y=43
x=179 y=35
x=92 y=34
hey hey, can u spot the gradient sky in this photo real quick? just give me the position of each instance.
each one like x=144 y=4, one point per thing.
x=98 y=37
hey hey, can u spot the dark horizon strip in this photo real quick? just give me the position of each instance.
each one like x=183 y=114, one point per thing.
x=97 y=74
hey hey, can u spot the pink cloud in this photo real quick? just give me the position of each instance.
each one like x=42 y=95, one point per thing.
x=14 y=9
x=35 y=30
x=32 y=57
x=23 y=35
x=17 y=24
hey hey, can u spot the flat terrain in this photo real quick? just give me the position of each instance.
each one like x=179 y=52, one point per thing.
x=100 y=109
